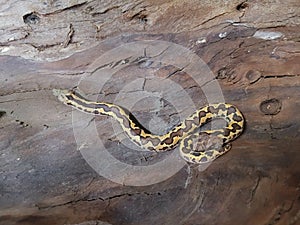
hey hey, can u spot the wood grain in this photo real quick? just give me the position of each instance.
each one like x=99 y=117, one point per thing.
x=253 y=51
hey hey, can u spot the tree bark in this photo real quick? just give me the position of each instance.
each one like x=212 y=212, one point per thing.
x=252 y=49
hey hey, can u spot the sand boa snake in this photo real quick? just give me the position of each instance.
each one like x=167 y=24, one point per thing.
x=184 y=134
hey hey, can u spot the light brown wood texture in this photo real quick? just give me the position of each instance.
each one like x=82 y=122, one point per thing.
x=253 y=51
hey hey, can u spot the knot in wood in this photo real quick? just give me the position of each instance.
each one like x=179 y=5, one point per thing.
x=31 y=18
x=270 y=106
x=253 y=76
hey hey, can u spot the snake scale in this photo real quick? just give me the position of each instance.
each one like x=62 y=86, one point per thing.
x=184 y=134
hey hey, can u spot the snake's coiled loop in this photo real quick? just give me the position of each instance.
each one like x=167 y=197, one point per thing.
x=183 y=134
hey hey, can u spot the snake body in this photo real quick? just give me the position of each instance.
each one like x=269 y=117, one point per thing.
x=183 y=134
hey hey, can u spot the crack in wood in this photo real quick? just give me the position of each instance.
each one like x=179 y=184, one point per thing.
x=106 y=10
x=279 y=76
x=109 y=198
x=253 y=190
x=176 y=71
x=128 y=60
x=72 y=7
x=209 y=19
x=242 y=8
x=275 y=76
x=283 y=209
x=41 y=48
x=21 y=32
x=69 y=36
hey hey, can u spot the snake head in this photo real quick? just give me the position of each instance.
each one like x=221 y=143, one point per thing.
x=63 y=95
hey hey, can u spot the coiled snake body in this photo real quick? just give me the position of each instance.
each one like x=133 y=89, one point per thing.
x=183 y=134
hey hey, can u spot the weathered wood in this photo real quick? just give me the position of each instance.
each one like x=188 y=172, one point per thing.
x=252 y=48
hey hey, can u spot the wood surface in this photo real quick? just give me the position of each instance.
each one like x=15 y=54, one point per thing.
x=253 y=51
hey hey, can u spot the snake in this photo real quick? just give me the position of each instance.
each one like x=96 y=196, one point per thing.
x=186 y=134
